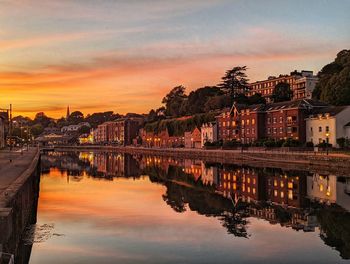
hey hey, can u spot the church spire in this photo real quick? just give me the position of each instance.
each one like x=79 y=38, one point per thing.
x=68 y=113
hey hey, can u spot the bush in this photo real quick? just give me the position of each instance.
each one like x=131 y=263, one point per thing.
x=309 y=144
x=231 y=144
x=291 y=143
x=343 y=142
x=324 y=145
x=213 y=144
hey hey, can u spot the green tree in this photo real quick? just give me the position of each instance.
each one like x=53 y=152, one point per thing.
x=235 y=81
x=334 y=81
x=281 y=93
x=174 y=101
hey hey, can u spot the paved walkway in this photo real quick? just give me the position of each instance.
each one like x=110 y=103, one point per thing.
x=10 y=171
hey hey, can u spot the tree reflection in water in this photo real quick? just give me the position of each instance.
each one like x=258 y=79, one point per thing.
x=232 y=194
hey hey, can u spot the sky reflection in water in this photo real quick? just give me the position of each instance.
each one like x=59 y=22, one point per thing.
x=170 y=216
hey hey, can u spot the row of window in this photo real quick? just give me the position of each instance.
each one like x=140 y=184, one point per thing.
x=320 y=129
x=290 y=119
x=281 y=130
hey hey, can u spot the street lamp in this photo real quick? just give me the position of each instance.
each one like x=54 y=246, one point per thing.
x=327 y=141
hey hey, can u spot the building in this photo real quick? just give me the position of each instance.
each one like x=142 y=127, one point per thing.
x=209 y=133
x=193 y=139
x=248 y=122
x=121 y=131
x=276 y=121
x=226 y=126
x=301 y=83
x=328 y=124
x=74 y=128
x=2 y=132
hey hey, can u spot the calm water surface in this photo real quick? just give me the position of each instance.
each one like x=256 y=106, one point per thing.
x=114 y=208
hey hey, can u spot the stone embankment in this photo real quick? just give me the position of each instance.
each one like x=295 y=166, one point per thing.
x=338 y=164
x=19 y=190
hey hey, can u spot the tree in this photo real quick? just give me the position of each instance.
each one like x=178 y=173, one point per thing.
x=235 y=81
x=197 y=99
x=76 y=117
x=174 y=101
x=281 y=93
x=36 y=130
x=41 y=118
x=256 y=99
x=334 y=81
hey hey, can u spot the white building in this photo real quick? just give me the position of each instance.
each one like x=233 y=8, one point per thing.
x=304 y=85
x=74 y=128
x=209 y=175
x=209 y=133
x=329 y=190
x=329 y=124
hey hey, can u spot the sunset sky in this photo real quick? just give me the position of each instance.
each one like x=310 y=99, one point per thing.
x=125 y=55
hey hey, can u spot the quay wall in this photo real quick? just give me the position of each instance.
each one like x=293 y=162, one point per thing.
x=18 y=207
x=317 y=163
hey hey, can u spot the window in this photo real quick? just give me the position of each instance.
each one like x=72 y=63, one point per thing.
x=248 y=130
x=281 y=119
x=233 y=123
x=269 y=130
x=274 y=130
x=248 y=122
x=319 y=129
x=253 y=130
x=242 y=122
x=253 y=121
x=327 y=128
x=268 y=120
x=274 y=120
x=281 y=130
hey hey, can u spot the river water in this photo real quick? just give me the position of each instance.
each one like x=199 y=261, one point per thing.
x=116 y=208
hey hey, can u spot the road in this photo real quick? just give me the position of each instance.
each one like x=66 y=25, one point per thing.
x=13 y=164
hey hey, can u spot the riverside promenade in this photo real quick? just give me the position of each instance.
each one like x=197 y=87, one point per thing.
x=19 y=190
x=334 y=163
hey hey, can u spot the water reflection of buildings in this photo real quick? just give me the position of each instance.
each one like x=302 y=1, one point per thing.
x=329 y=189
x=233 y=193
x=116 y=165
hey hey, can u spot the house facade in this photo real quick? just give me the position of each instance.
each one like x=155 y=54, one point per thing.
x=328 y=124
x=193 y=139
x=209 y=133
x=277 y=121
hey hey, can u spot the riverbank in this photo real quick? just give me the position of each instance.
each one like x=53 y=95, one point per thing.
x=338 y=164
x=19 y=188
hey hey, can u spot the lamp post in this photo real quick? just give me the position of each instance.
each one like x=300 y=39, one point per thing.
x=327 y=141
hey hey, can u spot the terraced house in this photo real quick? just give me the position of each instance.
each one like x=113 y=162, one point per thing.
x=249 y=123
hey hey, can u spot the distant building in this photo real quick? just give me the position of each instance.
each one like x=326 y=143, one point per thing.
x=121 y=131
x=328 y=124
x=74 y=128
x=227 y=127
x=301 y=83
x=193 y=139
x=209 y=133
x=2 y=132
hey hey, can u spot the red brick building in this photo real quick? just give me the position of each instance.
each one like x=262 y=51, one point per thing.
x=249 y=123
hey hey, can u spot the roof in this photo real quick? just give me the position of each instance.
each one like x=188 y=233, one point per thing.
x=331 y=110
